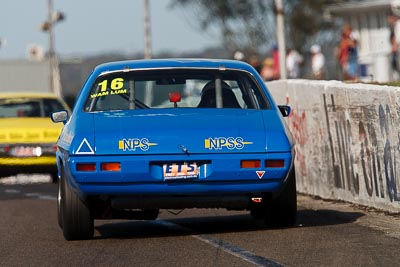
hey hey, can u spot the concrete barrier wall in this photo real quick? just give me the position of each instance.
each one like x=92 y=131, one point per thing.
x=347 y=140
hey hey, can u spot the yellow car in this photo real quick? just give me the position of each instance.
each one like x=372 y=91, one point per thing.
x=27 y=135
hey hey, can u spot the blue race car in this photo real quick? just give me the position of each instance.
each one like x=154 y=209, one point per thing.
x=146 y=135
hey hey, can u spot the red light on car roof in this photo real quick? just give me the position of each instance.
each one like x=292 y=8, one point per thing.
x=86 y=167
x=111 y=166
x=274 y=163
x=250 y=163
x=174 y=97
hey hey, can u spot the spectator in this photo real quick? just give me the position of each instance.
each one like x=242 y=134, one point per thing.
x=238 y=55
x=255 y=63
x=394 y=26
x=317 y=62
x=293 y=61
x=348 y=54
x=275 y=56
x=267 y=70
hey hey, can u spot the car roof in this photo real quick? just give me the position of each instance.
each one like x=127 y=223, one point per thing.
x=27 y=95
x=174 y=63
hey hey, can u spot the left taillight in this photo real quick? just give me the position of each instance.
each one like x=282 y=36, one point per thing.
x=104 y=166
x=86 y=167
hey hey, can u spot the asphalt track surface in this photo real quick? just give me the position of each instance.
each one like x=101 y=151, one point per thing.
x=327 y=234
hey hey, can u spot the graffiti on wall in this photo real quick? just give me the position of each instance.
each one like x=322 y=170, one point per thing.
x=340 y=136
x=366 y=156
x=298 y=128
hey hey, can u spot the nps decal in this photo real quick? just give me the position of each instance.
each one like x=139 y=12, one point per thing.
x=230 y=143
x=113 y=87
x=132 y=144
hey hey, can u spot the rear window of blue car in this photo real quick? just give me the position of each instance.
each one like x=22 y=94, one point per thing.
x=176 y=88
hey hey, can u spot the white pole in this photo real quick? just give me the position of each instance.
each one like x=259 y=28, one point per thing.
x=148 y=99
x=147 y=33
x=55 y=84
x=51 y=43
x=280 y=36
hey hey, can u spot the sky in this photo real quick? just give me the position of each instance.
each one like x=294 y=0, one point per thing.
x=98 y=26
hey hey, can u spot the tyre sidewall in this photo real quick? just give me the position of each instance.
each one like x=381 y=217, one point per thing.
x=76 y=218
x=282 y=210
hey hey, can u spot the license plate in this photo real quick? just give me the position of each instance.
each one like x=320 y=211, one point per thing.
x=25 y=151
x=180 y=171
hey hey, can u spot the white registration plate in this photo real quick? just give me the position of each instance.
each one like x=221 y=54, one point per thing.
x=25 y=151
x=180 y=171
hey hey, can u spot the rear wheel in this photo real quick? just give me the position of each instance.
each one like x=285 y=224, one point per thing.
x=258 y=211
x=281 y=211
x=150 y=214
x=77 y=222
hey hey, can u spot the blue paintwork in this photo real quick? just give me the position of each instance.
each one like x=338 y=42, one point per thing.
x=163 y=133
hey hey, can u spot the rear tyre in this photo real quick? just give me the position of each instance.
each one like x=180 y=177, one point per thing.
x=150 y=214
x=281 y=211
x=77 y=222
x=258 y=212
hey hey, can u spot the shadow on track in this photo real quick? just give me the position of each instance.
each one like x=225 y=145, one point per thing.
x=216 y=224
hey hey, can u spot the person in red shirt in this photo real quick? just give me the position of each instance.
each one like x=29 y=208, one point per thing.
x=347 y=54
x=275 y=56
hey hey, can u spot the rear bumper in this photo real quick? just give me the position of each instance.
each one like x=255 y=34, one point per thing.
x=180 y=196
x=233 y=202
x=27 y=155
x=181 y=188
x=28 y=161
x=141 y=177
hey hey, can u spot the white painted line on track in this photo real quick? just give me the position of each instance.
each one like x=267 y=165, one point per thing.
x=224 y=245
x=12 y=191
x=25 y=179
x=40 y=196
x=32 y=194
x=47 y=197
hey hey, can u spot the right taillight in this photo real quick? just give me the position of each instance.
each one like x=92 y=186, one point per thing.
x=274 y=163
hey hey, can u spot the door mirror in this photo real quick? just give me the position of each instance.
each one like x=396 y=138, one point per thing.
x=59 y=116
x=285 y=110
